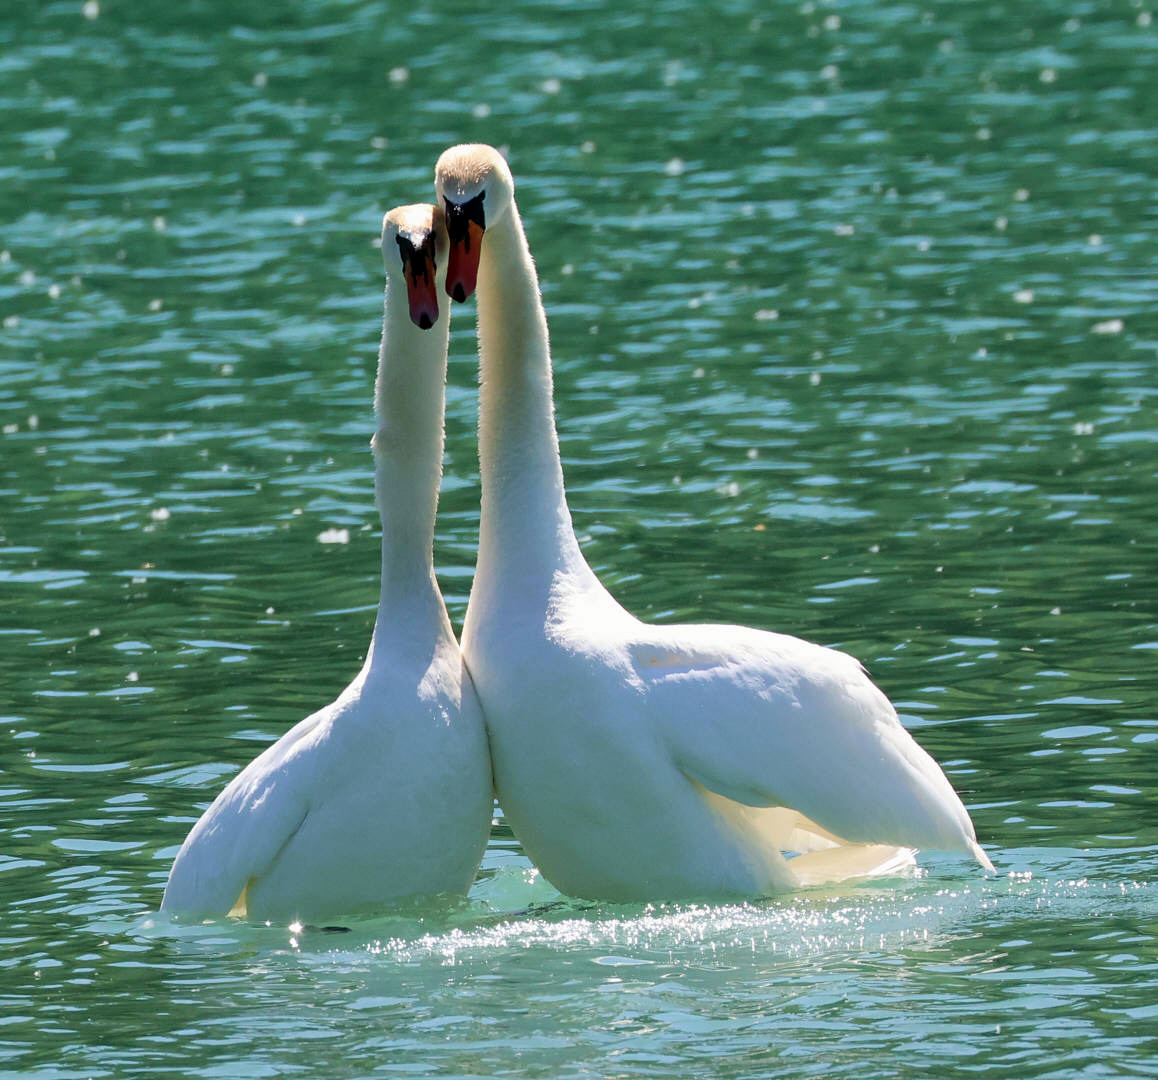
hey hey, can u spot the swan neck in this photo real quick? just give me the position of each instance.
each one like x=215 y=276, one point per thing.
x=525 y=518
x=409 y=405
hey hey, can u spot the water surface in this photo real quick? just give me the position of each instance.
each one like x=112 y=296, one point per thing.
x=853 y=317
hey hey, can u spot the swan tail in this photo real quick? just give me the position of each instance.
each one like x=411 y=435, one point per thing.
x=240 y=907
x=978 y=852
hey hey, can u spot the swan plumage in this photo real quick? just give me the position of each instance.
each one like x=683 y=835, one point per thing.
x=385 y=793
x=640 y=762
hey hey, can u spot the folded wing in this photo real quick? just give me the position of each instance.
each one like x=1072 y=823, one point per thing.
x=241 y=834
x=770 y=720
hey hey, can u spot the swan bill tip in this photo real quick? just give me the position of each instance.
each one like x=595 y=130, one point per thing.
x=423 y=298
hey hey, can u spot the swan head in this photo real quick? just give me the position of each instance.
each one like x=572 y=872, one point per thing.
x=474 y=188
x=414 y=247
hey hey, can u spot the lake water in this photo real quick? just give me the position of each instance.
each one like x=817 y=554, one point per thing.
x=854 y=314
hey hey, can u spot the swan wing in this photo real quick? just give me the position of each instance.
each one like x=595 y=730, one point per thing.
x=769 y=720
x=239 y=837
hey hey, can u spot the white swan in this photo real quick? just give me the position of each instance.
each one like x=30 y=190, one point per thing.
x=385 y=793
x=640 y=762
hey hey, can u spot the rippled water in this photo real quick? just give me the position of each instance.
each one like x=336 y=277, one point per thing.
x=853 y=308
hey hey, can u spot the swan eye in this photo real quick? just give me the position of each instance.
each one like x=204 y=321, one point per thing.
x=405 y=249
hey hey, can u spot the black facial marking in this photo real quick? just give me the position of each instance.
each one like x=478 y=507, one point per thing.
x=419 y=260
x=460 y=215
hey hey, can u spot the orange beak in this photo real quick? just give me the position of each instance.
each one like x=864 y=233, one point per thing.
x=420 y=291
x=462 y=265
x=465 y=225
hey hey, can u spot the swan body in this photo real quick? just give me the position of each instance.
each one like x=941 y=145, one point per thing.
x=385 y=793
x=639 y=762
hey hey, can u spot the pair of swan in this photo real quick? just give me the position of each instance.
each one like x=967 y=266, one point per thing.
x=634 y=762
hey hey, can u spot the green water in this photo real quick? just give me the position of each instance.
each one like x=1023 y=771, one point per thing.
x=853 y=308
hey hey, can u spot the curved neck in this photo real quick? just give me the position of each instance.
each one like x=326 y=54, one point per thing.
x=525 y=528
x=409 y=402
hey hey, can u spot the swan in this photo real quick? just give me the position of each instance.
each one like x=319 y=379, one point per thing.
x=385 y=793
x=638 y=762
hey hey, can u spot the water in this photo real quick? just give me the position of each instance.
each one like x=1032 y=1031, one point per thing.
x=853 y=312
